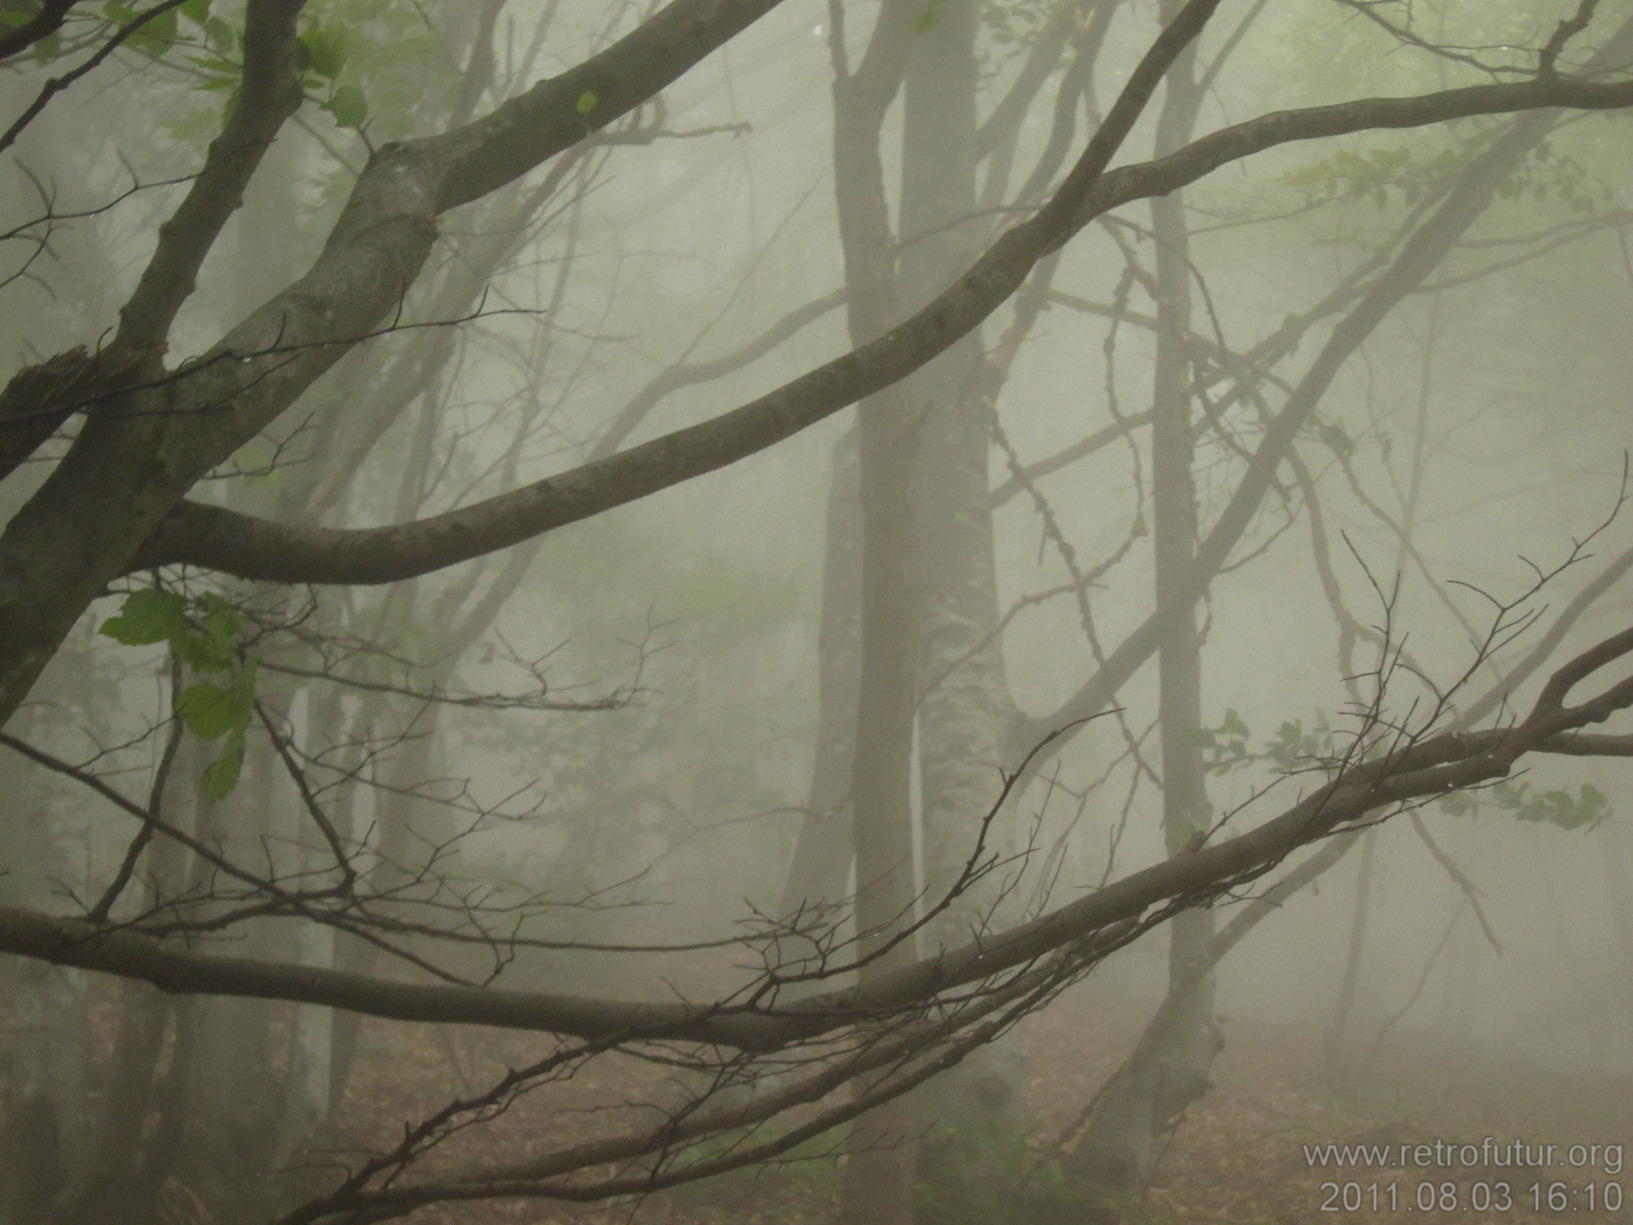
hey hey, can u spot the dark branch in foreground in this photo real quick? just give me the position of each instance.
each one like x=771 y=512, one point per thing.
x=1421 y=770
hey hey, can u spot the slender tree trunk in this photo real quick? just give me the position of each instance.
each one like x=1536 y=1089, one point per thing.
x=1334 y=1060
x=1169 y=1067
x=965 y=710
x=819 y=871
x=877 y=1186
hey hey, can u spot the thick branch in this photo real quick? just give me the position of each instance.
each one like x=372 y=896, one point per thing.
x=257 y=549
x=137 y=456
x=43 y=24
x=270 y=94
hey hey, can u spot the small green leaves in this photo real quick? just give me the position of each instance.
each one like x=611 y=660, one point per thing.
x=321 y=51
x=321 y=55
x=587 y=102
x=221 y=775
x=930 y=17
x=211 y=710
x=347 y=106
x=1223 y=747
x=150 y=615
x=223 y=39
x=1294 y=747
x=153 y=37
x=1585 y=810
x=202 y=634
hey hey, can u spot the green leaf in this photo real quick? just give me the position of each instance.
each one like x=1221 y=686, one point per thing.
x=216 y=67
x=210 y=710
x=587 y=102
x=153 y=37
x=326 y=51
x=221 y=775
x=348 y=106
x=220 y=618
x=202 y=653
x=207 y=709
x=223 y=39
x=149 y=615
x=196 y=11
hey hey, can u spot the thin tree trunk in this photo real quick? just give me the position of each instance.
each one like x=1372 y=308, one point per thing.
x=1169 y=1068
x=877 y=1185
x=819 y=870
x=1334 y=1062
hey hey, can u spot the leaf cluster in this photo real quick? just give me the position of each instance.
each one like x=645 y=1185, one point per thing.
x=1586 y=810
x=1404 y=174
x=323 y=50
x=1295 y=746
x=202 y=634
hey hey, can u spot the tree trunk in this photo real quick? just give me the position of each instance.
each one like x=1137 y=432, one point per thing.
x=1169 y=1068
x=819 y=870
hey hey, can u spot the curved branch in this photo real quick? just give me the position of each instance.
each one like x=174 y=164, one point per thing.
x=258 y=549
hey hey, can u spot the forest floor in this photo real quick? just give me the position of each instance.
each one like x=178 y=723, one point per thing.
x=1243 y=1155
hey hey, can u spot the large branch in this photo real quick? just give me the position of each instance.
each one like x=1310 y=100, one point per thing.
x=42 y=25
x=258 y=549
x=147 y=443
x=269 y=93
x=1418 y=770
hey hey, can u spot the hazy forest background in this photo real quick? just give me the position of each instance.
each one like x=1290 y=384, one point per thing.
x=942 y=610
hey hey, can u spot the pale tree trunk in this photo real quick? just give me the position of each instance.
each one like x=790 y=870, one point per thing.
x=819 y=871
x=877 y=1183
x=1169 y=1067
x=235 y=1098
x=972 y=1116
x=308 y=1082
x=1336 y=1059
x=1334 y=1041
x=929 y=601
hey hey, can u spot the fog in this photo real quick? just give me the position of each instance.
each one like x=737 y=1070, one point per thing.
x=987 y=616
